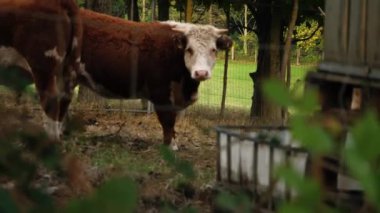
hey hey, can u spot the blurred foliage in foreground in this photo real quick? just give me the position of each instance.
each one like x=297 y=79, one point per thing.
x=27 y=156
x=25 y=151
x=361 y=153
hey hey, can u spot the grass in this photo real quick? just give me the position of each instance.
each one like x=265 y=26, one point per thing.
x=134 y=152
x=239 y=84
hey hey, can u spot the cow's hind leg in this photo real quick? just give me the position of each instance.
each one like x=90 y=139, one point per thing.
x=167 y=119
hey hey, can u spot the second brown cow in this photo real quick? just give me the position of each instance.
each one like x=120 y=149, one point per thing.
x=163 y=61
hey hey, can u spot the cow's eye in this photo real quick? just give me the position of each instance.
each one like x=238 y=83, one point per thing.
x=213 y=50
x=190 y=50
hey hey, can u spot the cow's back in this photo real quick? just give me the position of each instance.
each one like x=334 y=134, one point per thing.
x=33 y=27
x=129 y=57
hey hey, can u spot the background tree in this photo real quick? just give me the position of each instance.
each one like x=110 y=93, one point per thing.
x=103 y=6
x=163 y=10
x=118 y=8
x=245 y=40
x=189 y=11
x=132 y=10
x=271 y=19
x=308 y=39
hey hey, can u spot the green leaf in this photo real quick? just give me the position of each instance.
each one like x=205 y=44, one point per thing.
x=7 y=204
x=363 y=153
x=117 y=195
x=307 y=189
x=290 y=176
x=361 y=169
x=308 y=102
x=190 y=209
x=180 y=166
x=366 y=134
x=311 y=136
x=167 y=154
x=226 y=201
x=44 y=201
x=185 y=168
x=294 y=208
x=234 y=202
x=276 y=92
x=17 y=79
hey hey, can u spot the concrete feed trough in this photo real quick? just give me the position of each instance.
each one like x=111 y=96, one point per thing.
x=248 y=156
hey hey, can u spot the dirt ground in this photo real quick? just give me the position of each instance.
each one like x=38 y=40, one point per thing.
x=105 y=144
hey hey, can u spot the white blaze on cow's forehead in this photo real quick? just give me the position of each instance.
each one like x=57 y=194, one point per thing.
x=202 y=32
x=201 y=40
x=9 y=56
x=53 y=53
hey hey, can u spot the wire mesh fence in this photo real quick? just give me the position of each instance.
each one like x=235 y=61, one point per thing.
x=238 y=97
x=239 y=85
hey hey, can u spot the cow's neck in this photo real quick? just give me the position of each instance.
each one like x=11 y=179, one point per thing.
x=184 y=92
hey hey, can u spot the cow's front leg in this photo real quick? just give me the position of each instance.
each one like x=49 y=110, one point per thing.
x=55 y=107
x=55 y=96
x=167 y=119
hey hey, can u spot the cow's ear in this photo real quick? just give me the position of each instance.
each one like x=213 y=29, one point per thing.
x=180 y=41
x=224 y=42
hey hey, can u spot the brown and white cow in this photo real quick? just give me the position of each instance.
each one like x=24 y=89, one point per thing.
x=162 y=61
x=43 y=39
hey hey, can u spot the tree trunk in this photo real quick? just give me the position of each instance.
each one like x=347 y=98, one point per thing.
x=163 y=10
x=210 y=15
x=269 y=32
x=133 y=11
x=285 y=69
x=189 y=11
x=102 y=6
x=245 y=45
x=233 y=52
x=298 y=56
x=288 y=41
x=143 y=11
x=153 y=5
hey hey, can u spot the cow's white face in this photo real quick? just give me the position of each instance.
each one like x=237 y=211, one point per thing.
x=200 y=55
x=200 y=44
